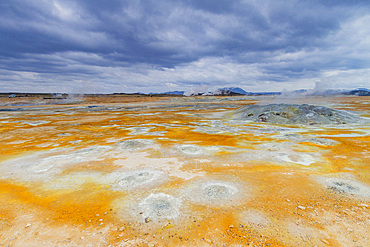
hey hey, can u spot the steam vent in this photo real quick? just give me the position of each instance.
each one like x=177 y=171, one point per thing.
x=123 y=170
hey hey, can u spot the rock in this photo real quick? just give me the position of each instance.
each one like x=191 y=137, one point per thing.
x=294 y=114
x=301 y=207
x=208 y=240
x=325 y=241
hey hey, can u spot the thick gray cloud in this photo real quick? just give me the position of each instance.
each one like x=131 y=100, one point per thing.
x=133 y=45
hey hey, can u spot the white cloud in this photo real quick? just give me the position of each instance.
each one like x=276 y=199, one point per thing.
x=178 y=45
x=354 y=78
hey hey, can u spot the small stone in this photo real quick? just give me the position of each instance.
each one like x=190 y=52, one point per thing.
x=82 y=237
x=97 y=215
x=231 y=226
x=208 y=241
x=100 y=219
x=301 y=207
x=287 y=200
x=325 y=241
x=147 y=219
x=28 y=225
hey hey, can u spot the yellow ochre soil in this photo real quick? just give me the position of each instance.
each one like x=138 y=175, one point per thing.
x=177 y=171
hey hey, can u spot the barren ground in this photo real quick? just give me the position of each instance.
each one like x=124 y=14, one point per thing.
x=158 y=171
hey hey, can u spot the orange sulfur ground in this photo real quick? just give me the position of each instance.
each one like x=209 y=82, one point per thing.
x=61 y=163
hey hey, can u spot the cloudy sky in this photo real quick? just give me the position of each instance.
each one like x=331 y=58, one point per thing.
x=105 y=46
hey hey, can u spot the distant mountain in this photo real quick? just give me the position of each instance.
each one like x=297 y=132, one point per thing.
x=230 y=91
x=170 y=93
x=358 y=92
x=234 y=91
x=175 y=92
x=239 y=91
x=264 y=93
x=300 y=91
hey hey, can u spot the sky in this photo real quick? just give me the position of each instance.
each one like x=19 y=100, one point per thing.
x=113 y=46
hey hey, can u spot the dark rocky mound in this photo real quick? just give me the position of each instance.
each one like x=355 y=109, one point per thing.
x=359 y=92
x=294 y=114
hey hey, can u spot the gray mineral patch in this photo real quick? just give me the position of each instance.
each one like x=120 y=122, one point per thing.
x=316 y=140
x=91 y=153
x=254 y=218
x=295 y=114
x=46 y=165
x=213 y=192
x=160 y=206
x=31 y=167
x=128 y=180
x=347 y=187
x=41 y=168
x=280 y=153
x=297 y=158
x=216 y=191
x=135 y=144
x=190 y=149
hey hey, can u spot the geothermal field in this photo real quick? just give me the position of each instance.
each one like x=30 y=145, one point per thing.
x=120 y=170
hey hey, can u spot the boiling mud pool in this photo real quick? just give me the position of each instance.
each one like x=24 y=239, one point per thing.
x=181 y=172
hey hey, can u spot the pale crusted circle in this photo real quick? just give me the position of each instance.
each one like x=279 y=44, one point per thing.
x=190 y=149
x=160 y=206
